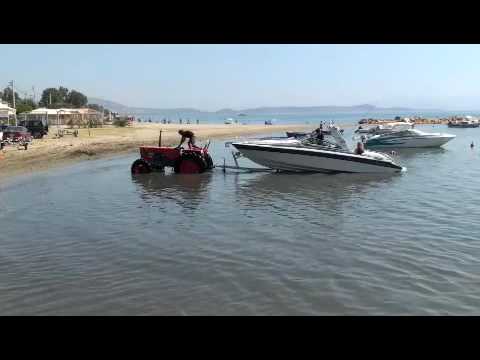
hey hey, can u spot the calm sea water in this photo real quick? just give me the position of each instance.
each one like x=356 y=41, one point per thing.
x=337 y=117
x=92 y=239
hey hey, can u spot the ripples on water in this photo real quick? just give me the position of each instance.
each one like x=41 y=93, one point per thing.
x=92 y=239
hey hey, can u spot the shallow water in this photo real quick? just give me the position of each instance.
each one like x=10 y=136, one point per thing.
x=92 y=239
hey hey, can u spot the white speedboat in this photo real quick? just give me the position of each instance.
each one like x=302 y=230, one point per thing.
x=303 y=155
x=410 y=138
x=464 y=122
x=383 y=128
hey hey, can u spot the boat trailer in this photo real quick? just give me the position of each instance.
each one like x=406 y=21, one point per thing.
x=236 y=155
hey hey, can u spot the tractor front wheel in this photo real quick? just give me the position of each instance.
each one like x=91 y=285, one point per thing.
x=140 y=166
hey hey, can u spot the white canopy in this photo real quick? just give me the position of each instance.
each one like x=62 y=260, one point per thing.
x=63 y=111
x=52 y=111
x=6 y=110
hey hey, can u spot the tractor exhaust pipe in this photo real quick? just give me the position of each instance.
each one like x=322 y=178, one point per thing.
x=160 y=139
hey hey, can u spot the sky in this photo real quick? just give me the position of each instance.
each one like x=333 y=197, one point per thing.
x=211 y=77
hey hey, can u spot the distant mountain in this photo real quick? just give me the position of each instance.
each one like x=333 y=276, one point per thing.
x=312 y=109
x=110 y=105
x=117 y=107
x=226 y=111
x=280 y=110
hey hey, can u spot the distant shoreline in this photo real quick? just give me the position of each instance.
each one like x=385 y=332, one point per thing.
x=51 y=153
x=435 y=121
x=259 y=110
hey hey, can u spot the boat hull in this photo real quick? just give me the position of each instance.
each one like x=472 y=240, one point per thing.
x=300 y=159
x=408 y=142
x=472 y=125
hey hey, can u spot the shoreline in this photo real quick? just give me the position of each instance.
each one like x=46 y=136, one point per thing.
x=50 y=152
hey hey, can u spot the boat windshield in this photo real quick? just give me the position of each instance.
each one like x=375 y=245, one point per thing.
x=412 y=132
x=332 y=141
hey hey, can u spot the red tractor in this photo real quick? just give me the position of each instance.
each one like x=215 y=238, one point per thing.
x=194 y=160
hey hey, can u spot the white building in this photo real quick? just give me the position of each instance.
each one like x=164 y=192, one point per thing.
x=65 y=116
x=6 y=112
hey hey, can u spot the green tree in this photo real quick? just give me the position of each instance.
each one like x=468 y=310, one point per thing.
x=25 y=105
x=77 y=99
x=21 y=108
x=62 y=97
x=30 y=102
x=50 y=93
x=95 y=107
x=7 y=96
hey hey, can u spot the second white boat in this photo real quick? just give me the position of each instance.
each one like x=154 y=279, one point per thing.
x=410 y=138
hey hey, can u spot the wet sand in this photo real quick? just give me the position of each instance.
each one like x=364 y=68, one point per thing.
x=100 y=142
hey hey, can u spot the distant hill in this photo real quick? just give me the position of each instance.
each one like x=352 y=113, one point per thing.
x=117 y=107
x=312 y=109
x=226 y=111
x=111 y=105
x=280 y=110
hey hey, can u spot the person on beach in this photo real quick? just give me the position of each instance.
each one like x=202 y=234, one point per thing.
x=187 y=134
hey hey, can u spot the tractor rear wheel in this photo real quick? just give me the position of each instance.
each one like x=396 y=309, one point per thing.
x=190 y=164
x=209 y=161
x=140 y=166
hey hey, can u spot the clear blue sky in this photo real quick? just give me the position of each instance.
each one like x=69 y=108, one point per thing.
x=211 y=77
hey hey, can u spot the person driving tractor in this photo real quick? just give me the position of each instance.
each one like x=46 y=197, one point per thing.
x=187 y=134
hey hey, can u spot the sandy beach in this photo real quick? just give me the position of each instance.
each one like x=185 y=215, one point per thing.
x=99 y=142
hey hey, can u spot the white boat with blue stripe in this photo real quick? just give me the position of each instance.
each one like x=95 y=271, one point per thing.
x=410 y=138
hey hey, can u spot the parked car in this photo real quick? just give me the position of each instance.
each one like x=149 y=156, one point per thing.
x=36 y=127
x=16 y=135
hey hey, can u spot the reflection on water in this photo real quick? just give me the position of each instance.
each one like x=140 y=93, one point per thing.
x=313 y=185
x=187 y=191
x=307 y=192
x=408 y=153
